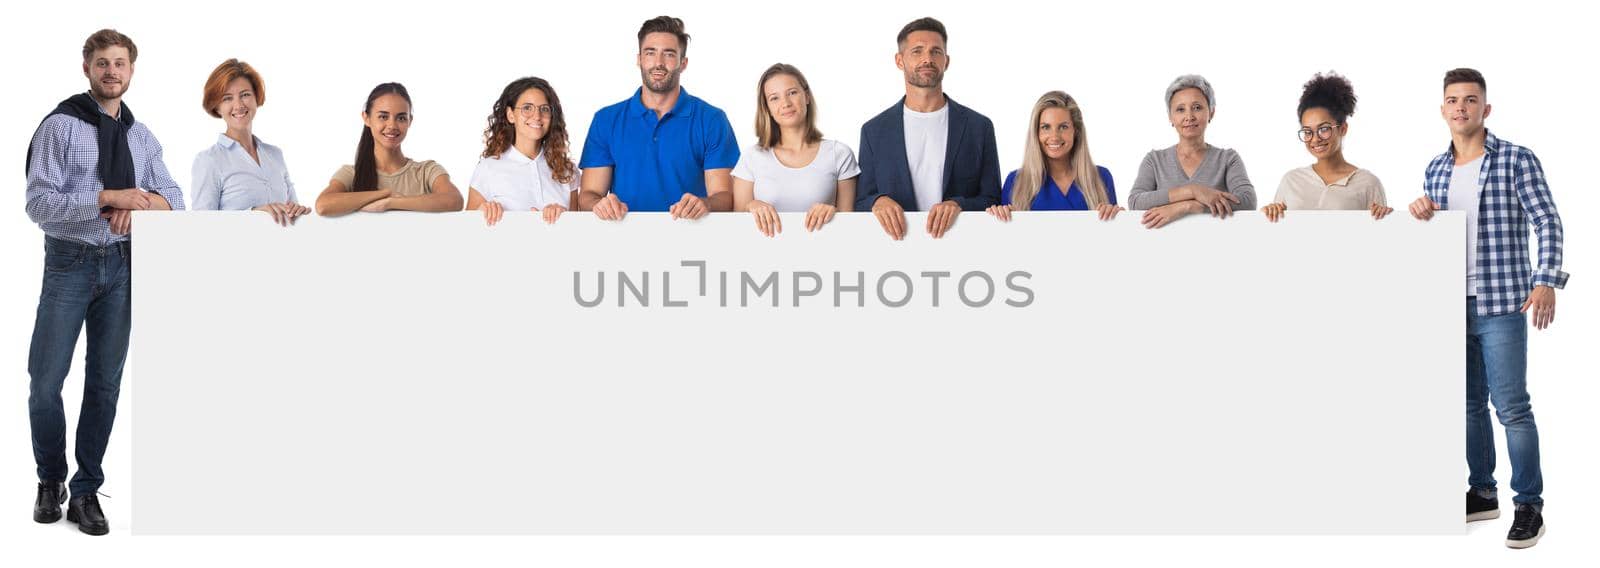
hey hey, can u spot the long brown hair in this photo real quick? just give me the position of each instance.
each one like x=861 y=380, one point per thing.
x=768 y=133
x=501 y=134
x=366 y=178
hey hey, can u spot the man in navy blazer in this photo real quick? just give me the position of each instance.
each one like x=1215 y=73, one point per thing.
x=926 y=153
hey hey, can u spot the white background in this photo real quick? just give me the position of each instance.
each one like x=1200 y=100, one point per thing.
x=320 y=61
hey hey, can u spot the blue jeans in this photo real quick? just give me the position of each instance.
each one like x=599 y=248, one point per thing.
x=1497 y=371
x=85 y=286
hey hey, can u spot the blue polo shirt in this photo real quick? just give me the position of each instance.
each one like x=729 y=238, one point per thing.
x=1050 y=197
x=655 y=161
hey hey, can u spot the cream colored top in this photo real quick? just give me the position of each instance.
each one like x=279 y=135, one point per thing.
x=414 y=178
x=1302 y=188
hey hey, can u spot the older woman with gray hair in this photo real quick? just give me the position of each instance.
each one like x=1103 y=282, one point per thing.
x=1191 y=176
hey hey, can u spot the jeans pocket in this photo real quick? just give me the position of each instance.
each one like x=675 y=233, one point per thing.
x=60 y=261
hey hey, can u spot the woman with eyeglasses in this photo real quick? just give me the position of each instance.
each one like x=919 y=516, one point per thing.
x=1326 y=103
x=1190 y=176
x=526 y=164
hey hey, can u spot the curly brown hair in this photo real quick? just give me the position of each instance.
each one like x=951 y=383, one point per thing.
x=501 y=134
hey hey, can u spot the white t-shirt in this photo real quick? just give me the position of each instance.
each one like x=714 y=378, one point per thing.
x=797 y=189
x=519 y=183
x=1463 y=197
x=927 y=135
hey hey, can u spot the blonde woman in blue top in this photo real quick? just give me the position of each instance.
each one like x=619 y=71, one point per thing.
x=240 y=171
x=1057 y=173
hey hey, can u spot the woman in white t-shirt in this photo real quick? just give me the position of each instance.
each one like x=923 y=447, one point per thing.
x=1326 y=103
x=525 y=165
x=791 y=168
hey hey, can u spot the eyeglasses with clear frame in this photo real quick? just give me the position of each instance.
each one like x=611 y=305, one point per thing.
x=529 y=109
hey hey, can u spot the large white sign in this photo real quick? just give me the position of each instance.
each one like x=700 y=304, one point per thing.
x=413 y=373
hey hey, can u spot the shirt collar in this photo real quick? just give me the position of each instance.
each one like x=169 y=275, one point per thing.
x=228 y=143
x=515 y=156
x=685 y=106
x=1490 y=144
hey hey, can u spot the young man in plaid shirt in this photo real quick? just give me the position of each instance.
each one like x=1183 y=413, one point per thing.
x=1501 y=188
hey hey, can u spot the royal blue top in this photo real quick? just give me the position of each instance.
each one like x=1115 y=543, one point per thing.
x=1050 y=197
x=655 y=161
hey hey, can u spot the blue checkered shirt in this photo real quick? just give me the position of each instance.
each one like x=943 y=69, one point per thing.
x=1511 y=193
x=64 y=178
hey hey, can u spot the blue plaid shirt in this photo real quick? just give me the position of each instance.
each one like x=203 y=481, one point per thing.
x=1511 y=193
x=64 y=178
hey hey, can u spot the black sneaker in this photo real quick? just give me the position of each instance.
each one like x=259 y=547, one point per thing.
x=1480 y=508
x=47 y=504
x=1526 y=528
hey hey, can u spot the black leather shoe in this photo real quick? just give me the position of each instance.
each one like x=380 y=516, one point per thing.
x=85 y=510
x=1527 y=527
x=47 y=505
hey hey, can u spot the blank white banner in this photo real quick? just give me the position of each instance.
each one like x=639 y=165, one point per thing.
x=416 y=374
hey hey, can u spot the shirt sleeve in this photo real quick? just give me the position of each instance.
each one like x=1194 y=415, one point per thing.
x=743 y=170
x=1238 y=182
x=1282 y=195
x=1378 y=195
x=722 y=147
x=159 y=180
x=1540 y=209
x=346 y=176
x=1008 y=187
x=1111 y=185
x=204 y=184
x=287 y=183
x=597 y=144
x=47 y=198
x=431 y=172
x=846 y=165
x=1143 y=195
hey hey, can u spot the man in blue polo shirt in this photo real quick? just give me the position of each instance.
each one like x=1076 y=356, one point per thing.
x=662 y=149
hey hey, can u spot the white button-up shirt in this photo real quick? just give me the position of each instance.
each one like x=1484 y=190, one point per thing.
x=225 y=178
x=519 y=183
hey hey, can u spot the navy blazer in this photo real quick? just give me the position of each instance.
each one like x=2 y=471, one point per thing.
x=971 y=163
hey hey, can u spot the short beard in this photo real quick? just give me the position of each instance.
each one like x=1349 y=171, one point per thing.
x=915 y=79
x=669 y=84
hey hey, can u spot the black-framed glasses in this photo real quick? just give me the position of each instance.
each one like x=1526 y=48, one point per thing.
x=1322 y=132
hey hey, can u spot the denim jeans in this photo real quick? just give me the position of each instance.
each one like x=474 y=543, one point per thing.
x=1497 y=372
x=85 y=286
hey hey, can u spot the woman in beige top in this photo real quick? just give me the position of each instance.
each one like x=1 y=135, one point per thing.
x=1326 y=104
x=382 y=177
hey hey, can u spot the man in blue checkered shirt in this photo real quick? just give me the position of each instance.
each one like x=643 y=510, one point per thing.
x=90 y=165
x=1501 y=188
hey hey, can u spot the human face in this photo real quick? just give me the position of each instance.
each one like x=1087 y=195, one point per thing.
x=1056 y=133
x=389 y=120
x=1465 y=106
x=786 y=101
x=661 y=61
x=238 y=105
x=1322 y=136
x=1190 y=113
x=530 y=115
x=923 y=59
x=110 y=71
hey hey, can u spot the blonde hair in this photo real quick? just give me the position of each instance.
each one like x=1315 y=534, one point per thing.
x=768 y=134
x=1033 y=171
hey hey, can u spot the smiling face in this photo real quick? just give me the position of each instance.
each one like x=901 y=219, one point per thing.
x=786 y=100
x=530 y=115
x=1464 y=108
x=389 y=120
x=238 y=105
x=110 y=71
x=1322 y=136
x=1190 y=113
x=923 y=59
x=1056 y=133
x=661 y=62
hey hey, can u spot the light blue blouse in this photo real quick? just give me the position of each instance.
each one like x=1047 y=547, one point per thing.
x=225 y=178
